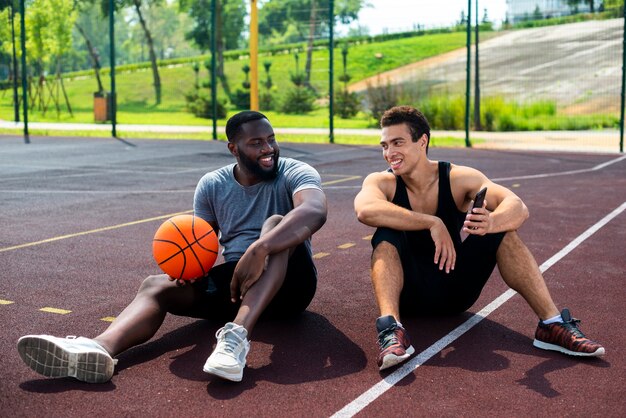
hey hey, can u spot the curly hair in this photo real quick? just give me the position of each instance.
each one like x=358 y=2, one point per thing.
x=233 y=126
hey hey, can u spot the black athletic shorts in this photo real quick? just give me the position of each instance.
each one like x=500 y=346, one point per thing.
x=428 y=290
x=292 y=298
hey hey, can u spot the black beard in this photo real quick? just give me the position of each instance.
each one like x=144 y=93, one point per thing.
x=253 y=167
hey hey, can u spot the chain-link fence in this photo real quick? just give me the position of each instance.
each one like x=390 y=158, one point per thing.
x=548 y=71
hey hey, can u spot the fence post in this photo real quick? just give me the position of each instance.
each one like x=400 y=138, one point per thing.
x=331 y=71
x=477 y=124
x=113 y=101
x=214 y=65
x=24 y=83
x=16 y=101
x=468 y=73
x=621 y=120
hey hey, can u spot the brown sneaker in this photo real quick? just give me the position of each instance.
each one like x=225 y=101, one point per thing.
x=566 y=337
x=393 y=341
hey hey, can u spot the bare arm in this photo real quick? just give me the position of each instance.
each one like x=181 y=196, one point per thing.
x=306 y=218
x=503 y=210
x=373 y=207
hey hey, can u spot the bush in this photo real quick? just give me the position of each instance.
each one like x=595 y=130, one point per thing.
x=379 y=99
x=201 y=105
x=240 y=99
x=297 y=100
x=266 y=101
x=347 y=104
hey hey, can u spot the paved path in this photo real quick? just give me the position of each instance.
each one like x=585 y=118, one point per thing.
x=606 y=141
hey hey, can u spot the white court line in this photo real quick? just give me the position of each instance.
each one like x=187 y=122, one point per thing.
x=564 y=173
x=389 y=381
x=530 y=176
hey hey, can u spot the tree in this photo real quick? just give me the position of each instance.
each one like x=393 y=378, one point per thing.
x=573 y=4
x=230 y=26
x=310 y=17
x=81 y=6
x=137 y=6
x=153 y=58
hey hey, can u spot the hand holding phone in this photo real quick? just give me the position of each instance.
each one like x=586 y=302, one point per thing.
x=480 y=198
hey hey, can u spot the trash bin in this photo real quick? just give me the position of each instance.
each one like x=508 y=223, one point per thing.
x=102 y=106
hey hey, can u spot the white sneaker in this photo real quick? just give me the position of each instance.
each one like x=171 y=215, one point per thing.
x=229 y=357
x=80 y=357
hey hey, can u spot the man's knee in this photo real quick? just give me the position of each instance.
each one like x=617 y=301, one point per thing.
x=511 y=240
x=155 y=285
x=270 y=223
x=385 y=251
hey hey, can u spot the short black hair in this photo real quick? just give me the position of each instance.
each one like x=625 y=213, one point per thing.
x=413 y=118
x=233 y=126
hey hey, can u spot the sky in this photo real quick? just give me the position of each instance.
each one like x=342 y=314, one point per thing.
x=398 y=15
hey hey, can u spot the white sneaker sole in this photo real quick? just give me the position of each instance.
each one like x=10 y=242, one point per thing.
x=51 y=360
x=233 y=377
x=391 y=360
x=553 y=347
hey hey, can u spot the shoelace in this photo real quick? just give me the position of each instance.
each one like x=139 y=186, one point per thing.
x=229 y=344
x=572 y=326
x=387 y=337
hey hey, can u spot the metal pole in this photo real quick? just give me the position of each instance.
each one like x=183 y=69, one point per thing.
x=16 y=104
x=477 y=125
x=214 y=65
x=24 y=84
x=621 y=119
x=331 y=71
x=112 y=52
x=254 y=56
x=467 y=72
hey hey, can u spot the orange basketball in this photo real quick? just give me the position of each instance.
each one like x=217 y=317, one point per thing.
x=185 y=247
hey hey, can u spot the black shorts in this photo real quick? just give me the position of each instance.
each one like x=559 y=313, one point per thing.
x=292 y=298
x=428 y=290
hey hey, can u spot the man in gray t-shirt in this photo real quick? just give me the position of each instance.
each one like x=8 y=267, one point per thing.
x=265 y=210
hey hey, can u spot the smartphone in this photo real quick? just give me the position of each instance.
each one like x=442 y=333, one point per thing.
x=480 y=198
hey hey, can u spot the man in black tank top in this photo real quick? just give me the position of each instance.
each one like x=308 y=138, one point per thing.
x=421 y=264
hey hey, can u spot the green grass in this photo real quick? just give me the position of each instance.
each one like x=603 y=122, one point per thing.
x=136 y=93
x=283 y=138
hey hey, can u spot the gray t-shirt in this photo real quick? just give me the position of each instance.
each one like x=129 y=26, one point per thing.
x=239 y=211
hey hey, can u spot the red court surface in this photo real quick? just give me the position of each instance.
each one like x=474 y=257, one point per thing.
x=77 y=219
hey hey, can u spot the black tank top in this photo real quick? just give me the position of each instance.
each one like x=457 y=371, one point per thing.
x=446 y=207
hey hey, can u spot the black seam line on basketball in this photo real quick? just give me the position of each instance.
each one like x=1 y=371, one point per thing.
x=193 y=219
x=193 y=231
x=202 y=237
x=180 y=249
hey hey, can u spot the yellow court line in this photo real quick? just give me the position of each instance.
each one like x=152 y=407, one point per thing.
x=320 y=255
x=92 y=231
x=6 y=302
x=326 y=183
x=346 y=245
x=55 y=310
x=368 y=237
x=108 y=228
x=108 y=319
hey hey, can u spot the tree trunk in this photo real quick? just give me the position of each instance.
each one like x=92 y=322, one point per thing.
x=153 y=58
x=60 y=80
x=309 y=50
x=219 y=41
x=95 y=61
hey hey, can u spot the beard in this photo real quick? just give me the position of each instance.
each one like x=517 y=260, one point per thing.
x=253 y=167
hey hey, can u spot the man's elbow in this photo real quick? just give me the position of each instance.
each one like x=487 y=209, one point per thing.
x=525 y=213
x=364 y=215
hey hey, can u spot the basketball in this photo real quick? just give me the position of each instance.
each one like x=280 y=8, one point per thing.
x=185 y=247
